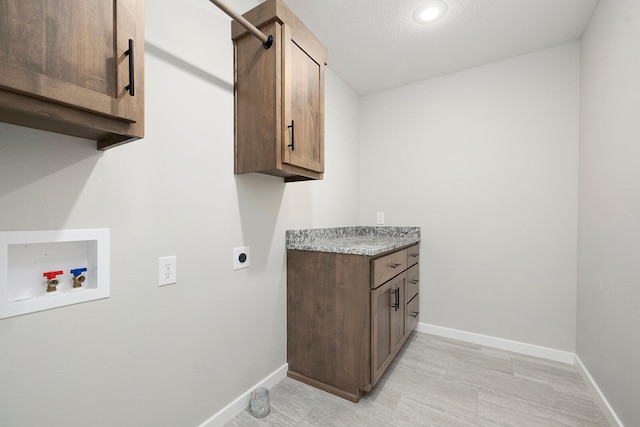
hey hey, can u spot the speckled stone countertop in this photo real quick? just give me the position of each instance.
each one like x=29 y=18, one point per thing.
x=363 y=240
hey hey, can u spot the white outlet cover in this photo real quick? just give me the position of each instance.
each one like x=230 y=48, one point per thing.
x=167 y=270
x=380 y=218
x=237 y=256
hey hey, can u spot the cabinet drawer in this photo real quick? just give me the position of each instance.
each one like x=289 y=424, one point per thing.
x=413 y=313
x=387 y=267
x=413 y=255
x=413 y=282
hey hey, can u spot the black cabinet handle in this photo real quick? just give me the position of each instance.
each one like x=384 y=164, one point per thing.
x=293 y=144
x=415 y=255
x=415 y=314
x=131 y=86
x=395 y=265
x=396 y=304
x=413 y=282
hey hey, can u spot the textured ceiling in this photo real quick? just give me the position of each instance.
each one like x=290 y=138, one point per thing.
x=376 y=45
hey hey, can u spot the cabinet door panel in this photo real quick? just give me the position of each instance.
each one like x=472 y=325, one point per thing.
x=388 y=324
x=381 y=300
x=398 y=313
x=66 y=52
x=303 y=107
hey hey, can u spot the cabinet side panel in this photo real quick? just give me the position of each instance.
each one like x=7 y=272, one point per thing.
x=328 y=318
x=311 y=315
x=354 y=320
x=257 y=118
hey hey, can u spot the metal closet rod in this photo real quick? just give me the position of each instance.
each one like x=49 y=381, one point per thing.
x=267 y=41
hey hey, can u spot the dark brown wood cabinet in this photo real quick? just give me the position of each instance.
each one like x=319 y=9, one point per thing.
x=388 y=324
x=279 y=96
x=347 y=316
x=69 y=67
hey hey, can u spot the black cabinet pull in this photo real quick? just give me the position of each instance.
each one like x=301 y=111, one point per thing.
x=395 y=265
x=414 y=282
x=396 y=294
x=415 y=313
x=131 y=86
x=293 y=144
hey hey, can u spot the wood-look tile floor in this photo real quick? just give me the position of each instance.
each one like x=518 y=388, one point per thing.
x=436 y=381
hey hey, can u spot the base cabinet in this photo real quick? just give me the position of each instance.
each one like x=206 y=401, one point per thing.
x=347 y=317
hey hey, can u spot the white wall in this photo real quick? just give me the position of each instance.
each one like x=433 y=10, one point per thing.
x=485 y=161
x=609 y=215
x=170 y=356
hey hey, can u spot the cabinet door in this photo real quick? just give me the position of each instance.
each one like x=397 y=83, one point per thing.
x=398 y=311
x=388 y=324
x=71 y=53
x=381 y=300
x=303 y=108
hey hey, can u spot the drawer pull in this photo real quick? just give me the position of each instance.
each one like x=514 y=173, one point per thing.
x=414 y=282
x=395 y=265
x=415 y=313
x=415 y=255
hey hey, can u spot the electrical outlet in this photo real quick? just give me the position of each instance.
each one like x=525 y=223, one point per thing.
x=167 y=270
x=241 y=257
x=380 y=218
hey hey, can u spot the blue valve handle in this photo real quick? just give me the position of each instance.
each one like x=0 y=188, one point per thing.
x=78 y=271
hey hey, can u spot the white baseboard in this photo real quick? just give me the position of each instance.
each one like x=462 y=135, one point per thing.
x=503 y=344
x=602 y=401
x=227 y=413
x=530 y=350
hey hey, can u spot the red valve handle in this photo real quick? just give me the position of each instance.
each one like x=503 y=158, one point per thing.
x=52 y=274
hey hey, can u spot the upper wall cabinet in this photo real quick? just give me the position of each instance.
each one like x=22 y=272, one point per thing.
x=74 y=67
x=279 y=96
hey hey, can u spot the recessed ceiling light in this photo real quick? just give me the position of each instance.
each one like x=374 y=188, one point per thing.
x=430 y=11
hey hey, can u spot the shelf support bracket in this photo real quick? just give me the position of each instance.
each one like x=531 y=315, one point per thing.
x=267 y=41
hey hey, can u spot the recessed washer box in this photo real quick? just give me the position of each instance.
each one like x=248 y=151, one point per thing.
x=25 y=256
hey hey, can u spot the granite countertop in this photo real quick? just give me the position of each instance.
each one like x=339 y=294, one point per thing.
x=364 y=240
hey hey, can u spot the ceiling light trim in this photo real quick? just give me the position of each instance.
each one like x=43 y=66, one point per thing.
x=430 y=11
